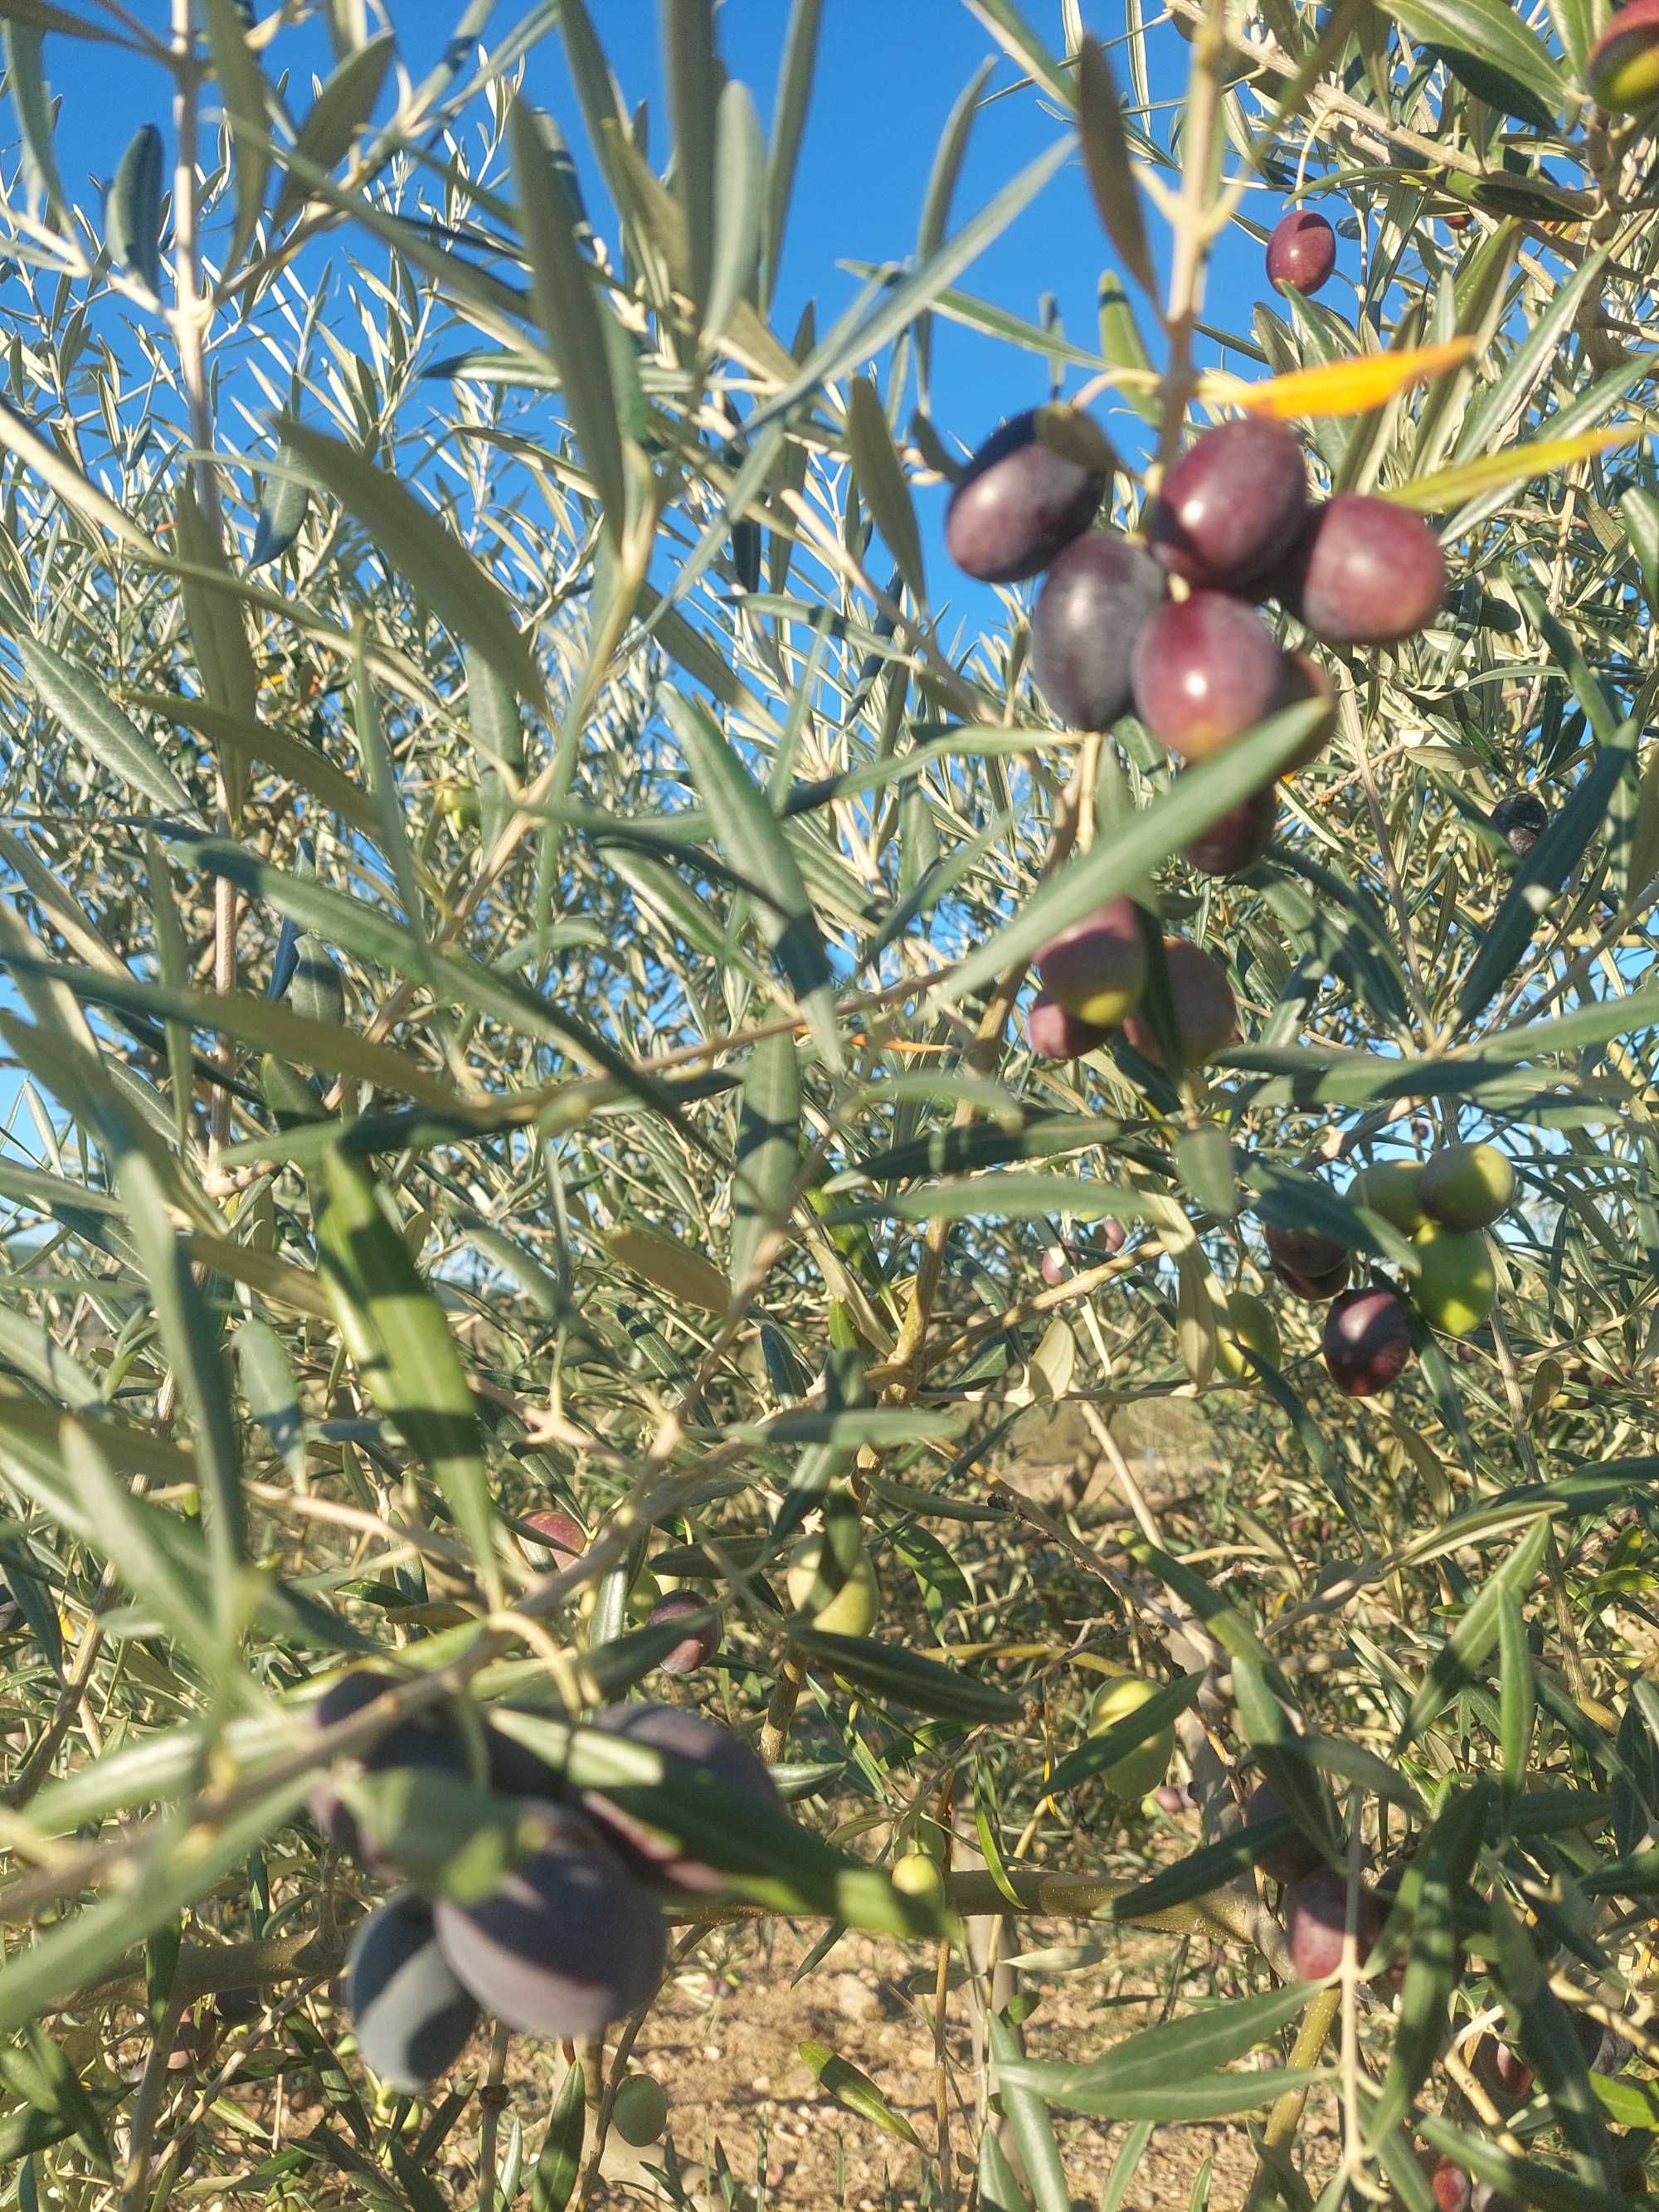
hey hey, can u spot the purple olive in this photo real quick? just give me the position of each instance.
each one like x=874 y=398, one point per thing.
x=1368 y=1340
x=1022 y=500
x=1232 y=506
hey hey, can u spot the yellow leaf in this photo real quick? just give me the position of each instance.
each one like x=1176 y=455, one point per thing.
x=685 y=1274
x=1349 y=388
x=1446 y=487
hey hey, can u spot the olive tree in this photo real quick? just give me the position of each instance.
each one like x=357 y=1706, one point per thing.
x=590 y=1075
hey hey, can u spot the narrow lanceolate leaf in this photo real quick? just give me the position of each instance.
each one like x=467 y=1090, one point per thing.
x=341 y=110
x=768 y=1148
x=1345 y=387
x=242 y=94
x=1034 y=2132
x=1519 y=465
x=396 y=1331
x=1638 y=511
x=1138 y=844
x=558 y=2163
x=268 y=1386
x=194 y=1350
x=855 y=2092
x=1106 y=160
x=740 y=186
x=800 y=51
x=753 y=842
x=1164 y=2059
x=411 y=538
x=684 y=1275
x=881 y=481
x=132 y=212
x=693 y=74
x=282 y=511
x=569 y=310
x=26 y=75
x=889 y=1672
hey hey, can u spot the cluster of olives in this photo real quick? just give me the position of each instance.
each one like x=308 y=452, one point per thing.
x=1444 y=1206
x=569 y=1939
x=1231 y=526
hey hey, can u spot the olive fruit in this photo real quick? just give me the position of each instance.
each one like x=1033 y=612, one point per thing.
x=1249 y=1326
x=1238 y=839
x=1297 y=1856
x=566 y=1942
x=1392 y=1189
x=411 y=2015
x=702 y=1742
x=1146 y=1763
x=561 y=1539
x=839 y=1602
x=1204 y=1009
x=1231 y=507
x=516 y=1770
x=1114 y=1234
x=699 y=1644
x=1316 y=1918
x=1056 y=1034
x=1056 y=1266
x=1468 y=1186
x=1301 y=250
x=1098 y=968
x=1449 y=2186
x=1084 y=625
x=422 y=1740
x=1021 y=499
x=639 y=2110
x=1501 y=2070
x=916 y=1874
x=1205 y=669
x=1623 y=74
x=1455 y=1287
x=1367 y=1339
x=1364 y=572
x=1521 y=820
x=1314 y=1267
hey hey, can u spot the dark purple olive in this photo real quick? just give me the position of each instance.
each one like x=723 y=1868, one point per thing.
x=1315 y=1916
x=1368 y=1340
x=1201 y=999
x=425 y=1741
x=561 y=1540
x=699 y=1644
x=1301 y=250
x=1313 y=1267
x=1521 y=819
x=1205 y=669
x=686 y=1735
x=565 y=1943
x=1287 y=1861
x=1231 y=507
x=1088 y=614
x=1364 y=572
x=1032 y=487
x=1239 y=839
x=410 y=2013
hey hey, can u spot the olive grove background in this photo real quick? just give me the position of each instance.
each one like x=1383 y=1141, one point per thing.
x=490 y=733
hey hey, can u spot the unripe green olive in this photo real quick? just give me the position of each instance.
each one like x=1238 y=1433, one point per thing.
x=1623 y=75
x=1468 y=1186
x=1145 y=1766
x=851 y=1609
x=1249 y=1326
x=1455 y=1287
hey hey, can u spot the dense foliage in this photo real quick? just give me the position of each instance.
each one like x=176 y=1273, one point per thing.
x=528 y=1164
